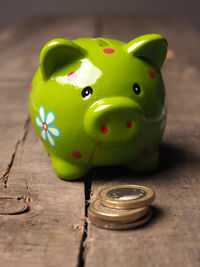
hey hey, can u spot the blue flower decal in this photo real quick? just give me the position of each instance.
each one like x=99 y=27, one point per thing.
x=45 y=123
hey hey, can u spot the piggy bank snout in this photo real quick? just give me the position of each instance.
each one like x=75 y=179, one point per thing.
x=113 y=120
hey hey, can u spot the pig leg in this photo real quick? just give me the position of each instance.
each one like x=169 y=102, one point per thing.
x=67 y=170
x=147 y=164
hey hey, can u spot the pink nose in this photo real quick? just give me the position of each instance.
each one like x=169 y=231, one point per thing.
x=113 y=120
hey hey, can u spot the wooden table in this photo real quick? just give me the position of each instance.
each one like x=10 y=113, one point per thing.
x=55 y=232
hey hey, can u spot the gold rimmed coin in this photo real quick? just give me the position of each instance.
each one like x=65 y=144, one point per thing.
x=126 y=196
x=118 y=226
x=98 y=210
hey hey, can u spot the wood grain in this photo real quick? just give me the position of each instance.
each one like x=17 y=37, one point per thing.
x=51 y=232
x=172 y=237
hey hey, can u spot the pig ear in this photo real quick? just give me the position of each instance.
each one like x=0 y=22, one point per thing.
x=150 y=47
x=57 y=53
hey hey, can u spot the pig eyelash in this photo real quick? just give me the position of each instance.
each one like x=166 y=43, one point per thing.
x=87 y=92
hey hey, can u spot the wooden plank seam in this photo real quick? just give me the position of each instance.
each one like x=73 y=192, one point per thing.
x=5 y=175
x=98 y=28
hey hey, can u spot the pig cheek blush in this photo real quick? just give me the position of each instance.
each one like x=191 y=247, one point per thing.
x=145 y=149
x=76 y=154
x=104 y=129
x=129 y=124
x=151 y=74
x=31 y=88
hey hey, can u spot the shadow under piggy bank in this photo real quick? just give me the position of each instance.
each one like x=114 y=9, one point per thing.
x=172 y=157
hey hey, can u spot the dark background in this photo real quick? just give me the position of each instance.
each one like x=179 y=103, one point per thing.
x=15 y=11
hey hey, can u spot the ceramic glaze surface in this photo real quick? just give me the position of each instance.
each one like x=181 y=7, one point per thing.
x=97 y=101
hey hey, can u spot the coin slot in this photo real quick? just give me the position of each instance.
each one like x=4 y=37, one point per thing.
x=102 y=42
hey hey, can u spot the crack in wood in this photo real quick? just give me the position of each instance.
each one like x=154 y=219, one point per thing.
x=98 y=28
x=5 y=176
x=26 y=128
x=82 y=251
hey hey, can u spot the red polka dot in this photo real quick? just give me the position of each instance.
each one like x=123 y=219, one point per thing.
x=76 y=154
x=129 y=124
x=104 y=129
x=71 y=73
x=72 y=76
x=109 y=51
x=145 y=149
x=31 y=88
x=151 y=74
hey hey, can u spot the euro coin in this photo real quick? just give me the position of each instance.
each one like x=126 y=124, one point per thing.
x=126 y=196
x=97 y=209
x=120 y=226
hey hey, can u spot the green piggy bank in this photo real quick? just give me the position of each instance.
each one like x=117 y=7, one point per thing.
x=97 y=101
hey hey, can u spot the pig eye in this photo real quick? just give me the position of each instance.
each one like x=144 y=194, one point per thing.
x=136 y=89
x=87 y=92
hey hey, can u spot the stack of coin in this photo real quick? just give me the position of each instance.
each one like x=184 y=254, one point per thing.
x=122 y=207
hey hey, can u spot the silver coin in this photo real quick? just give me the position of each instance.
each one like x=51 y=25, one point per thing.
x=126 y=196
x=126 y=193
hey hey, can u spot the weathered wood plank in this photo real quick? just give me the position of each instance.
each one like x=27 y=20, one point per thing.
x=14 y=112
x=172 y=237
x=50 y=234
x=20 y=46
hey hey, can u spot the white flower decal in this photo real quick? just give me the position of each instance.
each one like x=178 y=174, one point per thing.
x=45 y=122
